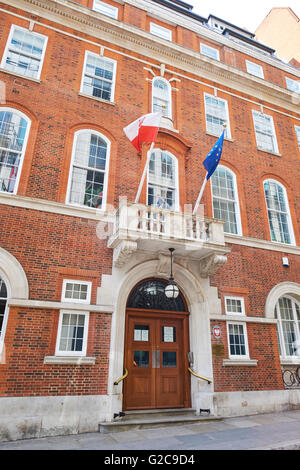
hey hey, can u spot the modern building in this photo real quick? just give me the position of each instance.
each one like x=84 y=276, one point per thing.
x=87 y=330
x=286 y=44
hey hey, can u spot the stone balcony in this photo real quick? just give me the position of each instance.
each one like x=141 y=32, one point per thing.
x=147 y=229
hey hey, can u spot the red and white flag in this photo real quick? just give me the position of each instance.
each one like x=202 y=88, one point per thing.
x=143 y=129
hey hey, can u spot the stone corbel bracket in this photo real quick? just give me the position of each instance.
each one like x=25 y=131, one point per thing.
x=123 y=252
x=210 y=264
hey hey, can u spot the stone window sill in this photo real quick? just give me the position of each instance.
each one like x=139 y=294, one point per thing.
x=19 y=75
x=112 y=103
x=78 y=360
x=240 y=362
x=270 y=152
x=229 y=139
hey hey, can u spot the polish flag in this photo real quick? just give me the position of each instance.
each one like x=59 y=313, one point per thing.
x=143 y=129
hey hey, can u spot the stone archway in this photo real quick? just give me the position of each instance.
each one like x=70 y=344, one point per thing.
x=200 y=298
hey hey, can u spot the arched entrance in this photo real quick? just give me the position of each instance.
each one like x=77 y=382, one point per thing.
x=156 y=347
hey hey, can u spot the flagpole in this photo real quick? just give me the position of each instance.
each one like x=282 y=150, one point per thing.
x=200 y=195
x=204 y=182
x=144 y=174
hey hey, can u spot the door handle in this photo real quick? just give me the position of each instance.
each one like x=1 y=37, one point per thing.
x=155 y=359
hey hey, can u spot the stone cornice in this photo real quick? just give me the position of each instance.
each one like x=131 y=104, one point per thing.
x=77 y=17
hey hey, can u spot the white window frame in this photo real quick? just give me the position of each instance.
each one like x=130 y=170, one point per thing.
x=242 y=301
x=254 y=69
x=297 y=130
x=176 y=179
x=289 y=218
x=292 y=85
x=209 y=51
x=6 y=312
x=113 y=82
x=227 y=130
x=22 y=115
x=4 y=57
x=238 y=356
x=106 y=172
x=106 y=9
x=283 y=354
x=169 y=99
x=272 y=127
x=236 y=201
x=58 y=352
x=77 y=282
x=161 y=31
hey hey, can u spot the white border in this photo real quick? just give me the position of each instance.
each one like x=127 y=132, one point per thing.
x=22 y=115
x=76 y=281
x=85 y=334
x=237 y=202
x=155 y=29
x=114 y=10
x=283 y=355
x=4 y=57
x=259 y=67
x=113 y=83
x=233 y=297
x=169 y=94
x=228 y=133
x=106 y=172
x=209 y=48
x=177 y=199
x=276 y=150
x=289 y=218
x=294 y=81
x=238 y=356
x=297 y=131
x=6 y=312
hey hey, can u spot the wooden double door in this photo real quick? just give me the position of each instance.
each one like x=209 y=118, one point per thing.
x=156 y=346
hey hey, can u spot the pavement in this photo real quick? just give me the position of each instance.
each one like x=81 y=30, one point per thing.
x=274 y=431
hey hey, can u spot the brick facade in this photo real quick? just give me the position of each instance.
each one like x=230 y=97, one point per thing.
x=52 y=241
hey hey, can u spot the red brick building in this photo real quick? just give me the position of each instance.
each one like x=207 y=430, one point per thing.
x=83 y=267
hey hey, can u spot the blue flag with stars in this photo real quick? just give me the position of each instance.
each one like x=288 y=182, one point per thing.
x=213 y=157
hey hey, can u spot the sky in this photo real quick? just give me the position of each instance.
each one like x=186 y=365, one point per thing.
x=245 y=14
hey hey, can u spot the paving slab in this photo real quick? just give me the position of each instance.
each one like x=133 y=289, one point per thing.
x=278 y=431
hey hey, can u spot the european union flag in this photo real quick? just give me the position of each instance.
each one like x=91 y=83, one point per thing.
x=212 y=159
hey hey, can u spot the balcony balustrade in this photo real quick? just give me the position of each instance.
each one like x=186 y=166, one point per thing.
x=153 y=230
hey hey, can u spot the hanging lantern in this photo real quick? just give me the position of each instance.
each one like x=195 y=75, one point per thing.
x=171 y=290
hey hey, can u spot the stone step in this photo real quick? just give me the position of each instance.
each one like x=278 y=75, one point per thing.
x=147 y=419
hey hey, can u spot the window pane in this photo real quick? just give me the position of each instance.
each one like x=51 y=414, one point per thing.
x=88 y=170
x=288 y=311
x=236 y=340
x=264 y=132
x=72 y=332
x=224 y=199
x=12 y=135
x=106 y=9
x=98 y=77
x=169 y=359
x=277 y=212
x=169 y=334
x=141 y=358
x=25 y=53
x=162 y=181
x=141 y=333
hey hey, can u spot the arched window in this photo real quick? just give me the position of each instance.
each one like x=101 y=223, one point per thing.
x=14 y=129
x=89 y=169
x=225 y=199
x=163 y=180
x=161 y=97
x=150 y=294
x=278 y=212
x=3 y=309
x=287 y=311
